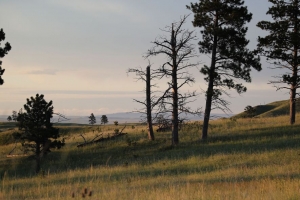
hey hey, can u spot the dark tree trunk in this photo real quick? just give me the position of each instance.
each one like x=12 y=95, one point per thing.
x=149 y=110
x=175 y=138
x=293 y=105
x=38 y=158
x=295 y=71
x=210 y=89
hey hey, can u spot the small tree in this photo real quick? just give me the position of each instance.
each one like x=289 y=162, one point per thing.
x=116 y=123
x=9 y=118
x=14 y=115
x=104 y=119
x=92 y=119
x=3 y=52
x=36 y=131
x=282 y=46
x=250 y=111
x=223 y=30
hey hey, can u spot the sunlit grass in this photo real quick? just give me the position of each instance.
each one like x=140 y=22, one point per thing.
x=242 y=159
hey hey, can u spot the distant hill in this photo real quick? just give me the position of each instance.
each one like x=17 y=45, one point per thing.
x=125 y=117
x=273 y=109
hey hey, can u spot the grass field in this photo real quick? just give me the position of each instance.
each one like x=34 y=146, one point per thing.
x=256 y=158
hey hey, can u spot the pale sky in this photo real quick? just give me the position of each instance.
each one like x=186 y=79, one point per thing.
x=77 y=52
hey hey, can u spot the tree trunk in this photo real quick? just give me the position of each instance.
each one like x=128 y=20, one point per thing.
x=38 y=158
x=295 y=72
x=149 y=110
x=292 y=105
x=207 y=111
x=175 y=138
x=210 y=89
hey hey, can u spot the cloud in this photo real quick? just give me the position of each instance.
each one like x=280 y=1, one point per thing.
x=43 y=71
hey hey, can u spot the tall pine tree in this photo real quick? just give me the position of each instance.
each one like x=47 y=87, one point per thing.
x=282 y=46
x=223 y=30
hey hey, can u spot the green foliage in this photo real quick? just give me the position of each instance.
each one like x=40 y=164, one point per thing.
x=116 y=123
x=104 y=119
x=284 y=34
x=3 y=52
x=92 y=119
x=223 y=31
x=36 y=132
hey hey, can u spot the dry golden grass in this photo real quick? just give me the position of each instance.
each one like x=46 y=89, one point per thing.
x=242 y=159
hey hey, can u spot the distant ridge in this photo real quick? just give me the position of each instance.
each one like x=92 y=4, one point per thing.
x=124 y=117
x=276 y=108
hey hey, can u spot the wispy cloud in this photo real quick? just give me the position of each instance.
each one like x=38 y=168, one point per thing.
x=43 y=72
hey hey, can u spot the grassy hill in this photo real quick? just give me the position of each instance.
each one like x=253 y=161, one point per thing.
x=242 y=159
x=277 y=108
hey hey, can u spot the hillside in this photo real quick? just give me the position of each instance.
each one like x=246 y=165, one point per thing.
x=242 y=159
x=277 y=108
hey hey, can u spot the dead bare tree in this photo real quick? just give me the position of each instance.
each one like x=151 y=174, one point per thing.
x=178 y=49
x=149 y=102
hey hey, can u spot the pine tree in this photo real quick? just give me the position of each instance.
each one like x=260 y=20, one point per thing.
x=92 y=119
x=282 y=46
x=223 y=30
x=36 y=132
x=3 y=52
x=104 y=119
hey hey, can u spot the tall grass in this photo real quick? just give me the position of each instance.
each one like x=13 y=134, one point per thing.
x=242 y=159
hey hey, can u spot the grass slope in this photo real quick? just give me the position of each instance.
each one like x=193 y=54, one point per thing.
x=277 y=108
x=242 y=159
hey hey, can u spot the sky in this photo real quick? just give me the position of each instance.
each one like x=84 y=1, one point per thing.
x=77 y=54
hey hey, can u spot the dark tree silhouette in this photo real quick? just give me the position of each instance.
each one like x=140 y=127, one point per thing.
x=151 y=100
x=178 y=49
x=36 y=132
x=250 y=111
x=104 y=119
x=9 y=118
x=282 y=46
x=3 y=51
x=92 y=119
x=223 y=30
x=14 y=115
